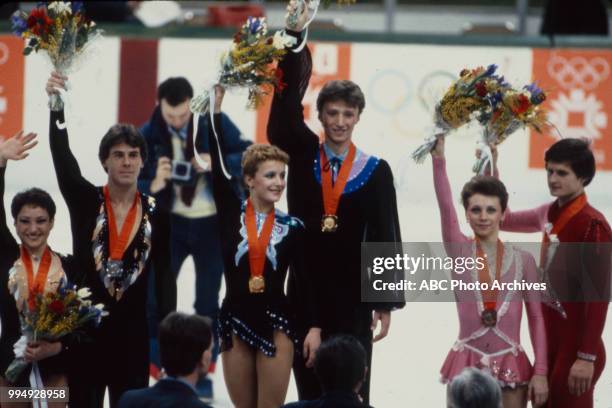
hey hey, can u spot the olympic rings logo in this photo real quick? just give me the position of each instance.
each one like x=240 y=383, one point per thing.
x=4 y=53
x=578 y=72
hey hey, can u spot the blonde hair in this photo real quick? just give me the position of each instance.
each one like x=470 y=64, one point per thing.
x=256 y=154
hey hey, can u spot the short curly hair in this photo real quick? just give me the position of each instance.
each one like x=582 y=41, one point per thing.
x=487 y=186
x=34 y=197
x=256 y=154
x=341 y=90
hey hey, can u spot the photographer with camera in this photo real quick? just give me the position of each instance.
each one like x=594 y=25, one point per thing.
x=184 y=188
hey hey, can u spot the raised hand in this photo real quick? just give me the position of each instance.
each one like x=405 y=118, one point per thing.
x=219 y=94
x=16 y=147
x=301 y=8
x=55 y=82
x=438 y=149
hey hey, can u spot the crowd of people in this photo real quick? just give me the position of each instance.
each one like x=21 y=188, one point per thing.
x=161 y=204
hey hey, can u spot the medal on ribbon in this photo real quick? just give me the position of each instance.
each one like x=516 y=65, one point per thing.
x=488 y=317
x=36 y=284
x=118 y=242
x=332 y=193
x=257 y=246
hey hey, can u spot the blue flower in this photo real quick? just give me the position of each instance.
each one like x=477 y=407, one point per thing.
x=253 y=24
x=537 y=94
x=77 y=6
x=20 y=25
x=490 y=70
x=495 y=98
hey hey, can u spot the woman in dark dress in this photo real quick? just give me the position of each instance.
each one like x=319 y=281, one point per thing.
x=259 y=243
x=27 y=268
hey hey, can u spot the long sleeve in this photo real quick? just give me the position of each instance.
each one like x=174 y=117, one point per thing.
x=535 y=316
x=9 y=252
x=227 y=202
x=383 y=225
x=305 y=281
x=7 y=241
x=74 y=187
x=147 y=174
x=286 y=126
x=233 y=145
x=451 y=233
x=532 y=220
x=597 y=265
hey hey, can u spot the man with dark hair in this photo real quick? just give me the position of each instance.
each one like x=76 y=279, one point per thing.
x=185 y=347
x=344 y=196
x=122 y=133
x=340 y=366
x=184 y=189
x=574 y=327
x=120 y=241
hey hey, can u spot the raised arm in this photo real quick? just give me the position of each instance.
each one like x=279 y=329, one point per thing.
x=532 y=220
x=15 y=148
x=451 y=233
x=233 y=144
x=286 y=126
x=73 y=186
x=227 y=202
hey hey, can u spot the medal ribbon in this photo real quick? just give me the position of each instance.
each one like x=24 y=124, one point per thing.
x=331 y=195
x=36 y=285
x=257 y=244
x=567 y=214
x=118 y=243
x=489 y=297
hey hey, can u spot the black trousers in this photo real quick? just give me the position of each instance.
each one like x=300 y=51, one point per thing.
x=306 y=380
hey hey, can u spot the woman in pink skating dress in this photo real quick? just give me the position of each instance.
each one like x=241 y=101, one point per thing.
x=489 y=322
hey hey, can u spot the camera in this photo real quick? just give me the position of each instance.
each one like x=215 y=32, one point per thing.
x=182 y=172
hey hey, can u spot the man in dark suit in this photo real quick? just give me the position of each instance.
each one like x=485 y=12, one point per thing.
x=185 y=346
x=340 y=366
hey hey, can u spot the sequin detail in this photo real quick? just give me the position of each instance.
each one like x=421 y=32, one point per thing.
x=363 y=167
x=282 y=224
x=228 y=324
x=134 y=263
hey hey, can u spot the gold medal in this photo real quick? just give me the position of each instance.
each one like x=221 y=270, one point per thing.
x=489 y=317
x=329 y=223
x=256 y=284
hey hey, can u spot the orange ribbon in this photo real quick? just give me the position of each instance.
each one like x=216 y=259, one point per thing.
x=489 y=297
x=36 y=285
x=118 y=243
x=567 y=213
x=331 y=195
x=257 y=244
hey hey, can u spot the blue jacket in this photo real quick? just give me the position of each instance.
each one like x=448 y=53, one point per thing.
x=159 y=144
x=164 y=394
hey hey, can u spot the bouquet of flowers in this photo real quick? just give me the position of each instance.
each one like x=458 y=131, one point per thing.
x=51 y=316
x=509 y=111
x=61 y=30
x=249 y=64
x=472 y=93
